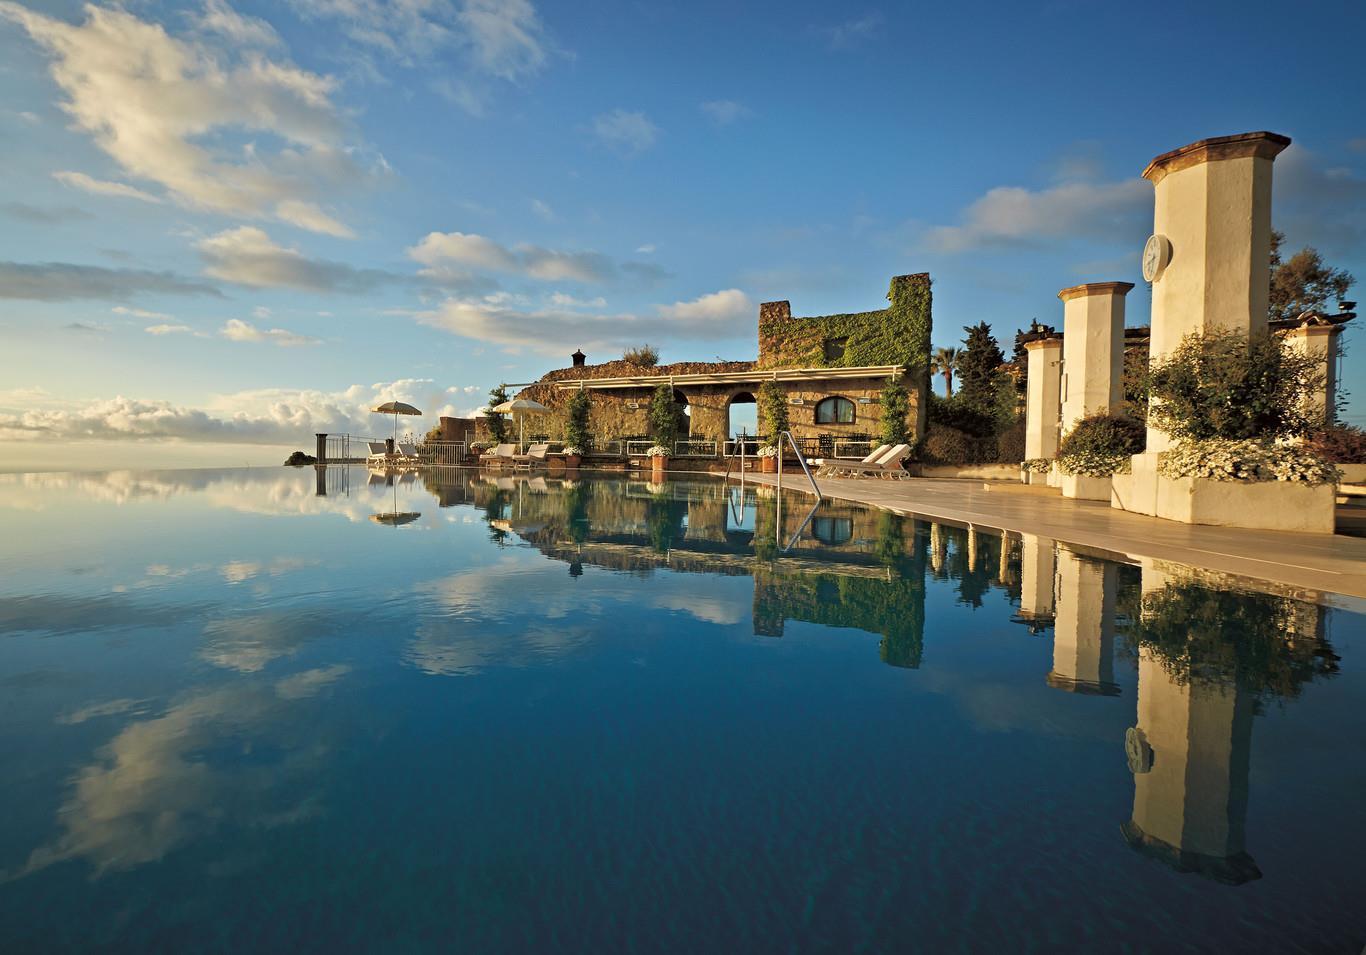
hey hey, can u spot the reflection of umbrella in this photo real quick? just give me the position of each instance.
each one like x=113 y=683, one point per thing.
x=395 y=517
x=515 y=405
x=395 y=408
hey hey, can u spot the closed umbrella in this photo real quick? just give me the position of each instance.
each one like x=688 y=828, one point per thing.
x=396 y=408
x=517 y=406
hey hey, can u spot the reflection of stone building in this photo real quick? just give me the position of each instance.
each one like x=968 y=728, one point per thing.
x=831 y=370
x=1084 y=627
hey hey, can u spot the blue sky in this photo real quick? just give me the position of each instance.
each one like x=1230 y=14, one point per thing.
x=230 y=225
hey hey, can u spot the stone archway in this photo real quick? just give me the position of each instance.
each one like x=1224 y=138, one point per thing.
x=684 y=415
x=745 y=417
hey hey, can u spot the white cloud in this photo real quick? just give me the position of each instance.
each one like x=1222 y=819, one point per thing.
x=139 y=313
x=63 y=281
x=497 y=38
x=854 y=31
x=561 y=300
x=166 y=329
x=723 y=112
x=628 y=132
x=260 y=311
x=160 y=106
x=101 y=187
x=450 y=255
x=542 y=209
x=28 y=117
x=246 y=255
x=222 y=19
x=717 y=316
x=268 y=415
x=236 y=330
x=646 y=249
x=1011 y=215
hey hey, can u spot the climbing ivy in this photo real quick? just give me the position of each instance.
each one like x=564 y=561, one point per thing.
x=773 y=411
x=896 y=335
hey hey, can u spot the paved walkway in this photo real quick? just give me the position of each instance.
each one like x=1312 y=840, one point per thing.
x=1330 y=564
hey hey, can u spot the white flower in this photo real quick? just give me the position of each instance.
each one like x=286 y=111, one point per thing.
x=1218 y=459
x=657 y=451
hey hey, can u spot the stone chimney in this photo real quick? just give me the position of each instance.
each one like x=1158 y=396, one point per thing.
x=579 y=357
x=773 y=311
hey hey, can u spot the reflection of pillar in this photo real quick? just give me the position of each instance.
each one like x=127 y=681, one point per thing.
x=1084 y=629
x=1320 y=342
x=938 y=547
x=972 y=549
x=1189 y=753
x=1003 y=565
x=1038 y=565
x=1042 y=397
x=320 y=482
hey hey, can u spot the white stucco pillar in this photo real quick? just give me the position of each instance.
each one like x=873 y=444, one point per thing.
x=1212 y=240
x=1092 y=349
x=1320 y=342
x=1038 y=568
x=1084 y=626
x=1042 y=401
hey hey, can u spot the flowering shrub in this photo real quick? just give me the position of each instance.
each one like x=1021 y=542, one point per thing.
x=658 y=451
x=1100 y=445
x=571 y=450
x=480 y=446
x=1037 y=465
x=767 y=451
x=1249 y=460
x=1340 y=443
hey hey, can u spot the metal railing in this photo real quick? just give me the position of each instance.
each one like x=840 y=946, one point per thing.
x=441 y=454
x=695 y=447
x=801 y=459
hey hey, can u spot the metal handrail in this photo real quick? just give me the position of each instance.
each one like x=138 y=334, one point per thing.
x=801 y=459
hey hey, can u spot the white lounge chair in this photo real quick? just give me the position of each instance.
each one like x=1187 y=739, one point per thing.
x=407 y=454
x=379 y=453
x=500 y=455
x=535 y=456
x=888 y=465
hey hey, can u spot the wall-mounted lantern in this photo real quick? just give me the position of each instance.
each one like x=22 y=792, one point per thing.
x=798 y=401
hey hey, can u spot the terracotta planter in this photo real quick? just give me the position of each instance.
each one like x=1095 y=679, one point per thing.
x=768 y=465
x=659 y=464
x=573 y=460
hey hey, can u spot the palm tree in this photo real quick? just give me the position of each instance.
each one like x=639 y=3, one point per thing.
x=943 y=363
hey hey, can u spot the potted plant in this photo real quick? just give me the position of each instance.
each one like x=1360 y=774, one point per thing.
x=659 y=461
x=576 y=428
x=573 y=456
x=768 y=459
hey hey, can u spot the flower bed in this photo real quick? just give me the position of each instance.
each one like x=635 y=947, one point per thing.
x=1250 y=460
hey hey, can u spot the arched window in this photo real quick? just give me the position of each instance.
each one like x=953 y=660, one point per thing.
x=834 y=411
x=832 y=530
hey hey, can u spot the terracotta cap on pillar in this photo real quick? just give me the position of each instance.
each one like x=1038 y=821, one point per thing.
x=1261 y=144
x=1096 y=288
x=1044 y=343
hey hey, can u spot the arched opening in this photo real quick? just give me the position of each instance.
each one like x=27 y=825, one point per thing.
x=684 y=414
x=742 y=415
x=835 y=410
x=832 y=530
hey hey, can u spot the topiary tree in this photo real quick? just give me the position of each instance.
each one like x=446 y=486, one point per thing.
x=498 y=423
x=576 y=420
x=1101 y=444
x=772 y=411
x=896 y=404
x=1223 y=385
x=663 y=416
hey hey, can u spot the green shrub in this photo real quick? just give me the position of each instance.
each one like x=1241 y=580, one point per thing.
x=954 y=413
x=664 y=412
x=498 y=423
x=772 y=411
x=1339 y=443
x=1223 y=385
x=896 y=404
x=1010 y=444
x=1100 y=445
x=945 y=445
x=647 y=355
x=576 y=420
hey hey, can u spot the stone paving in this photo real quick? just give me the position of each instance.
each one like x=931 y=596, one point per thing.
x=1328 y=564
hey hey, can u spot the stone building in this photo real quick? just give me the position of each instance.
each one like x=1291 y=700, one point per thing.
x=831 y=370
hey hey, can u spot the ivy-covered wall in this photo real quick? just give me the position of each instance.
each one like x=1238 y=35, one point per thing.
x=896 y=335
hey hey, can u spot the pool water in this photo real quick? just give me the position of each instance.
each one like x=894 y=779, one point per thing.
x=286 y=711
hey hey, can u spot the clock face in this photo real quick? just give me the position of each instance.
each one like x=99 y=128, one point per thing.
x=1155 y=255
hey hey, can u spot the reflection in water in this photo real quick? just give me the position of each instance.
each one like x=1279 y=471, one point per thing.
x=507 y=611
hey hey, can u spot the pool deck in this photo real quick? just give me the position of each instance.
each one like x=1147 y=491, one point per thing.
x=1328 y=564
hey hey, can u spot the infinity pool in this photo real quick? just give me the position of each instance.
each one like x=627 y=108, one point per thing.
x=276 y=711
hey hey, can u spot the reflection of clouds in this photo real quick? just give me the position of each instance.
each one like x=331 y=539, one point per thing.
x=248 y=643
x=153 y=789
x=49 y=613
x=108 y=708
x=523 y=611
x=236 y=571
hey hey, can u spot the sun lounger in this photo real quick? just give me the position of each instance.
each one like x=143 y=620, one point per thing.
x=829 y=465
x=408 y=452
x=378 y=453
x=502 y=454
x=535 y=456
x=889 y=465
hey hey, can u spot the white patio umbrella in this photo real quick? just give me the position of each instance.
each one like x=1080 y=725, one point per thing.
x=515 y=407
x=395 y=408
